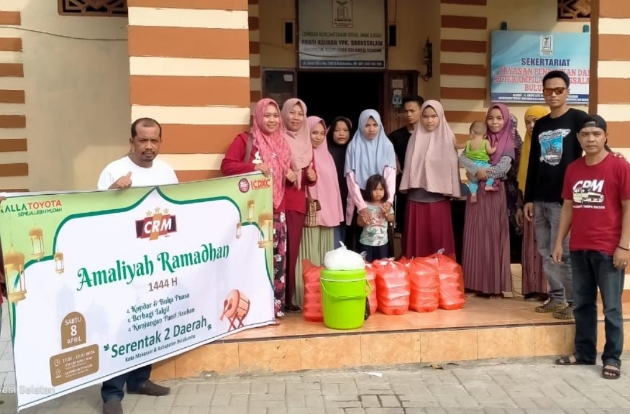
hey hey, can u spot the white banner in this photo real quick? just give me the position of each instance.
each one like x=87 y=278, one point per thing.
x=111 y=281
x=342 y=34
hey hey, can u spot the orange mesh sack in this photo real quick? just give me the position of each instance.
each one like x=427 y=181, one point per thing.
x=392 y=287
x=312 y=306
x=452 y=295
x=370 y=274
x=424 y=281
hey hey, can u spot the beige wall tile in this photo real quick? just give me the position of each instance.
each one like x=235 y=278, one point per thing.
x=328 y=352
x=506 y=342
x=269 y=356
x=390 y=349
x=218 y=357
x=553 y=340
x=442 y=346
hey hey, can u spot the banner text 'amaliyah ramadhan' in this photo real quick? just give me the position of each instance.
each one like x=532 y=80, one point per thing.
x=109 y=281
x=122 y=271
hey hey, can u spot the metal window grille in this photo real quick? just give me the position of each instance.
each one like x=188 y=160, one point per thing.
x=574 y=10
x=93 y=7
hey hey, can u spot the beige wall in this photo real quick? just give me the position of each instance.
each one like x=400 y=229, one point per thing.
x=416 y=20
x=77 y=93
x=273 y=52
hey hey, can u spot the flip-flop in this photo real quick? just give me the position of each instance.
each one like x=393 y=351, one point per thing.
x=566 y=360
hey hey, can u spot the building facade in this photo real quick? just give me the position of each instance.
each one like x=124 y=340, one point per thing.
x=71 y=78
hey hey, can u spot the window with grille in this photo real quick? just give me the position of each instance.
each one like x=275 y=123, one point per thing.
x=574 y=10
x=93 y=7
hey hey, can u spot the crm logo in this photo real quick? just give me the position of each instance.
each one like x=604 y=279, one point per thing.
x=157 y=223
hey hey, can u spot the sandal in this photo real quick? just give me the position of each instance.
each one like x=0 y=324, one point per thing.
x=571 y=360
x=611 y=370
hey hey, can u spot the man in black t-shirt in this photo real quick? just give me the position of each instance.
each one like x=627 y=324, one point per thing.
x=554 y=146
x=400 y=140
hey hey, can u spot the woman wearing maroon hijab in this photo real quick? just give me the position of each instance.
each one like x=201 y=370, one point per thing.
x=486 y=253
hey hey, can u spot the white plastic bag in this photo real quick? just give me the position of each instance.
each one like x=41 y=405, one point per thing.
x=343 y=259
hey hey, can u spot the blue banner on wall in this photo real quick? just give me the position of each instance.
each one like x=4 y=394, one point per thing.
x=520 y=60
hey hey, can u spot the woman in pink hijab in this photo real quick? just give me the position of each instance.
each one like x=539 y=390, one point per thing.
x=264 y=149
x=317 y=241
x=486 y=253
x=301 y=174
x=430 y=179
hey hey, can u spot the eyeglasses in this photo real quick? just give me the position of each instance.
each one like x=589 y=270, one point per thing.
x=550 y=91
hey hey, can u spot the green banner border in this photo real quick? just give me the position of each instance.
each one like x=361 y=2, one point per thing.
x=12 y=309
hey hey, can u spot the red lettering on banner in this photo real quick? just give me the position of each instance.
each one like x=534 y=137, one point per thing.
x=262 y=183
x=38 y=205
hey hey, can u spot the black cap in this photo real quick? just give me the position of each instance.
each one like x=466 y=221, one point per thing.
x=594 y=121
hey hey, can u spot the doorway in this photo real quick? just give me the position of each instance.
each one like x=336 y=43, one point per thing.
x=332 y=94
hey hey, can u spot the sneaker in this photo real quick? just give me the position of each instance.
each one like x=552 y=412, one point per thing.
x=564 y=314
x=551 y=306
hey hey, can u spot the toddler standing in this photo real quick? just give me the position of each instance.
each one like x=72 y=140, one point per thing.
x=374 y=240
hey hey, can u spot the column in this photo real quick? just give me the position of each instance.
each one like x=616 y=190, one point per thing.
x=189 y=70
x=255 y=82
x=13 y=146
x=463 y=62
x=610 y=69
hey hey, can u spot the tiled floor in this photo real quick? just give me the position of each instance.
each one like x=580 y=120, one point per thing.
x=484 y=329
x=478 y=312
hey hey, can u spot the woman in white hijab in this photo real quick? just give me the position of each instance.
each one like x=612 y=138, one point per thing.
x=370 y=152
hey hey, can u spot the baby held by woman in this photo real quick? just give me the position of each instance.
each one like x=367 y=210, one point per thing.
x=478 y=149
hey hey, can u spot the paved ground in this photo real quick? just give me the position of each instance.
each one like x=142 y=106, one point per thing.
x=500 y=387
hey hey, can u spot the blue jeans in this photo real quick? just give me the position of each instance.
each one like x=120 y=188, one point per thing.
x=546 y=222
x=473 y=184
x=112 y=389
x=592 y=270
